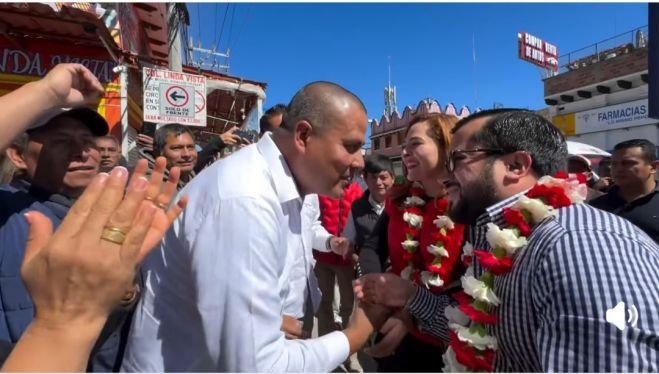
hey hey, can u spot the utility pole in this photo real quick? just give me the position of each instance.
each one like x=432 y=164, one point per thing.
x=174 y=37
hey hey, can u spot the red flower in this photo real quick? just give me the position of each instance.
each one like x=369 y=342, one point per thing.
x=409 y=230
x=476 y=315
x=414 y=210
x=561 y=175
x=554 y=196
x=492 y=263
x=462 y=298
x=470 y=357
x=582 y=178
x=418 y=192
x=467 y=260
x=407 y=256
x=514 y=217
x=442 y=206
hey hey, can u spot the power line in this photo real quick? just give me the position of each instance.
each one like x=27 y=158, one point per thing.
x=215 y=24
x=233 y=16
x=242 y=27
x=226 y=11
x=198 y=23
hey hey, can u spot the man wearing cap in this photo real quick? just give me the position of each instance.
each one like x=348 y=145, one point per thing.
x=56 y=159
x=578 y=164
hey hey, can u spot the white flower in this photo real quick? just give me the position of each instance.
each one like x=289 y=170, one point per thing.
x=406 y=273
x=414 y=201
x=451 y=364
x=470 y=271
x=437 y=251
x=444 y=222
x=410 y=245
x=467 y=250
x=538 y=210
x=412 y=219
x=455 y=315
x=577 y=192
x=479 y=290
x=504 y=239
x=474 y=339
x=431 y=279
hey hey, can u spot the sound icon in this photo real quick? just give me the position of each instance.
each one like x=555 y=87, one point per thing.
x=616 y=316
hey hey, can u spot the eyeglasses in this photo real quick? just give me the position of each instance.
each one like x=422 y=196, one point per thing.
x=450 y=163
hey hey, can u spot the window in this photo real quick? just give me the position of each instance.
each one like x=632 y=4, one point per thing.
x=376 y=144
x=387 y=141
x=401 y=137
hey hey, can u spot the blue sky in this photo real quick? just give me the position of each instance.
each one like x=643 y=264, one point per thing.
x=430 y=46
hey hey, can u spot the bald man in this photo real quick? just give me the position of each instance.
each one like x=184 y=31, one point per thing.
x=219 y=283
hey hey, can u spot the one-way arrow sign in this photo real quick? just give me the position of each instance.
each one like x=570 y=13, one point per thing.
x=175 y=96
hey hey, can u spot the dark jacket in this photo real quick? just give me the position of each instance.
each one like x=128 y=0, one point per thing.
x=16 y=305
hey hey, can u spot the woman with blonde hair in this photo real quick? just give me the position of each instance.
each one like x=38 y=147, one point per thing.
x=421 y=244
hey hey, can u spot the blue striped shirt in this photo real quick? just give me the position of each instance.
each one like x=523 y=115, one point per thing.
x=575 y=267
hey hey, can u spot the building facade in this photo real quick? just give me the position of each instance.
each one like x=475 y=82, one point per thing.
x=388 y=135
x=600 y=95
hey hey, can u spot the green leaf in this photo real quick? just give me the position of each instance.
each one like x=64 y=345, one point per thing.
x=481 y=305
x=499 y=252
x=488 y=279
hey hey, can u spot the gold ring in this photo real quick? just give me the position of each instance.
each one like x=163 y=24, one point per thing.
x=162 y=206
x=114 y=235
x=149 y=198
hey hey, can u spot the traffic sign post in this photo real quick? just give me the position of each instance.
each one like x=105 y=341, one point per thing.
x=174 y=97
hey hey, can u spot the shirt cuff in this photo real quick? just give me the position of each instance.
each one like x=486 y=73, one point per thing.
x=320 y=241
x=337 y=348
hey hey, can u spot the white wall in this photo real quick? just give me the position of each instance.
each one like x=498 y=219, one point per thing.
x=608 y=139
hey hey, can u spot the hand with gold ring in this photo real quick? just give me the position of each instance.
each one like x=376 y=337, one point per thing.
x=77 y=275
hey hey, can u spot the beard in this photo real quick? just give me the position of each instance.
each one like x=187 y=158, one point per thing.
x=475 y=198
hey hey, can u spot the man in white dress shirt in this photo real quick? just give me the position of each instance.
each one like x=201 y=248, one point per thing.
x=217 y=287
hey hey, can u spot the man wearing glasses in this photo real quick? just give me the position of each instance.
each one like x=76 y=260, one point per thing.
x=576 y=265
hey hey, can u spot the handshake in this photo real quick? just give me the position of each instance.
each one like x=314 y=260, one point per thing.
x=341 y=246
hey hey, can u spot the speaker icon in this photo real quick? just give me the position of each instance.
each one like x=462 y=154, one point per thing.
x=616 y=316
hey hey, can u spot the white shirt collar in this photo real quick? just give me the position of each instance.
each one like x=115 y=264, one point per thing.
x=376 y=206
x=284 y=183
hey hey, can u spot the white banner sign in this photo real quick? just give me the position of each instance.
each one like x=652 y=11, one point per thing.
x=633 y=113
x=174 y=97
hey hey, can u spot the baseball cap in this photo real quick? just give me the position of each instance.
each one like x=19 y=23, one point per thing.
x=94 y=121
x=582 y=159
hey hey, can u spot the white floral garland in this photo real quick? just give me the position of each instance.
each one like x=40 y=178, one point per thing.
x=512 y=243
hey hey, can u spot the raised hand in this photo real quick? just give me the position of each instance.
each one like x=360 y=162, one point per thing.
x=72 y=85
x=77 y=275
x=161 y=196
x=230 y=137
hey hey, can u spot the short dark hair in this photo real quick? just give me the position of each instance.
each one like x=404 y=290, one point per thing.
x=648 y=149
x=160 y=137
x=522 y=130
x=309 y=104
x=375 y=164
x=109 y=137
x=264 y=124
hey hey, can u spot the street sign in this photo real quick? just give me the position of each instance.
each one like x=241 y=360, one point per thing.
x=174 y=97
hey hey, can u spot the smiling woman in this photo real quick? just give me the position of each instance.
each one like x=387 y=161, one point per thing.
x=422 y=244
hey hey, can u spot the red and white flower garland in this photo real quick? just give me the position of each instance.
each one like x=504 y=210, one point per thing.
x=471 y=347
x=444 y=239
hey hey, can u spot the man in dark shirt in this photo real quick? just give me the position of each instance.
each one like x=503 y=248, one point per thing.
x=635 y=195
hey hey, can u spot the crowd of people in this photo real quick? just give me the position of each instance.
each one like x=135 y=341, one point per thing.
x=499 y=252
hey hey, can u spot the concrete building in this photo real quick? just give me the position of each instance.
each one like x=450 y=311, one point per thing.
x=600 y=95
